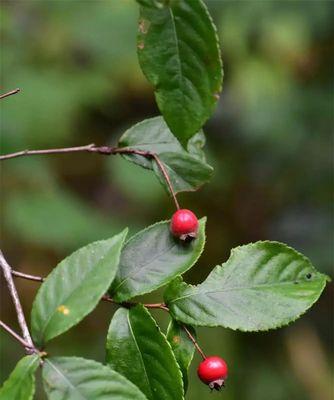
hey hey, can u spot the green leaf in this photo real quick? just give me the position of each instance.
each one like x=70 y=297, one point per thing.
x=182 y=347
x=151 y=3
x=152 y=258
x=263 y=285
x=195 y=146
x=138 y=350
x=74 y=288
x=187 y=170
x=21 y=383
x=179 y=54
x=74 y=378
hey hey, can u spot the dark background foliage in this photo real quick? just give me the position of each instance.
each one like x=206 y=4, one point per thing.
x=269 y=142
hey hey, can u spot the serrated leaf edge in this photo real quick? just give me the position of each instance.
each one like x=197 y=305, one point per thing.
x=286 y=323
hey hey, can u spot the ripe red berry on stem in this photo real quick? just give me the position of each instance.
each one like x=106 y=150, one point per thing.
x=184 y=224
x=213 y=372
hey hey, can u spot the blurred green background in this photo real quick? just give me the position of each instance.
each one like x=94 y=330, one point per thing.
x=270 y=142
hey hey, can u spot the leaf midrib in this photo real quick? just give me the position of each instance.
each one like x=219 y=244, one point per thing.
x=66 y=379
x=142 y=267
x=236 y=288
x=140 y=354
x=180 y=75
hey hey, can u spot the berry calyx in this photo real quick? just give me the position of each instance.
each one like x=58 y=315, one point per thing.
x=184 y=224
x=213 y=372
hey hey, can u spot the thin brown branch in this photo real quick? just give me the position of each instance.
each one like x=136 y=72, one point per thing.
x=129 y=304
x=27 y=276
x=7 y=271
x=89 y=147
x=191 y=337
x=2 y=96
x=14 y=334
x=106 y=150
x=107 y=298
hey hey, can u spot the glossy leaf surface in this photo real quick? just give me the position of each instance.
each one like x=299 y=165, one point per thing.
x=21 y=383
x=186 y=169
x=75 y=287
x=152 y=258
x=263 y=285
x=182 y=347
x=138 y=350
x=179 y=54
x=73 y=378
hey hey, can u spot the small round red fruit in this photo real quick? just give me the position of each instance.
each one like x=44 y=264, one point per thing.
x=184 y=224
x=213 y=372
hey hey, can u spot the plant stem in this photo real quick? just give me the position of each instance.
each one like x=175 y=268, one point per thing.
x=88 y=147
x=106 y=150
x=14 y=334
x=27 y=276
x=129 y=304
x=2 y=96
x=107 y=298
x=7 y=271
x=191 y=337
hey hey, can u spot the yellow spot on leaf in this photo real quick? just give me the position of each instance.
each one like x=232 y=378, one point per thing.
x=176 y=339
x=63 y=309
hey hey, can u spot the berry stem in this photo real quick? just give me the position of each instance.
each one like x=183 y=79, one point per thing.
x=191 y=337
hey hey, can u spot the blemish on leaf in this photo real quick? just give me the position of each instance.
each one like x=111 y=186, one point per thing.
x=176 y=339
x=141 y=45
x=309 y=276
x=63 y=309
x=216 y=96
x=143 y=26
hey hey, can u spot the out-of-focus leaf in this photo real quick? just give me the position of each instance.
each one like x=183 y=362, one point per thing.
x=74 y=378
x=179 y=54
x=21 y=383
x=263 y=285
x=152 y=258
x=138 y=350
x=182 y=347
x=74 y=288
x=57 y=219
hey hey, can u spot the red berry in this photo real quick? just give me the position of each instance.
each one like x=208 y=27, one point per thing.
x=213 y=371
x=184 y=224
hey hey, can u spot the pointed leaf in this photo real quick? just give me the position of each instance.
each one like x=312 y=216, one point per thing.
x=138 y=350
x=21 y=383
x=187 y=170
x=179 y=54
x=73 y=378
x=74 y=288
x=182 y=347
x=152 y=258
x=263 y=285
